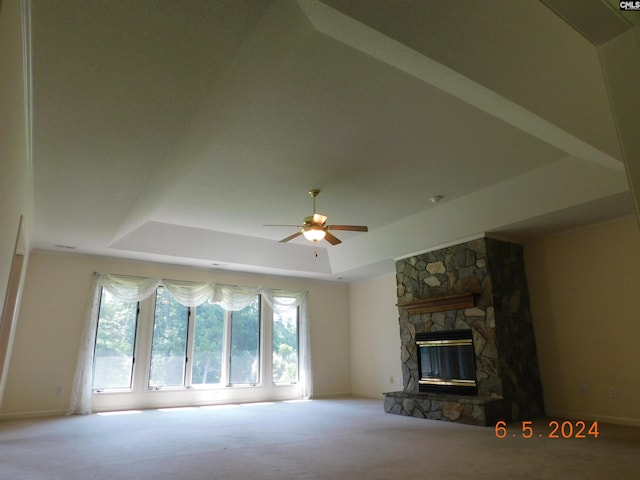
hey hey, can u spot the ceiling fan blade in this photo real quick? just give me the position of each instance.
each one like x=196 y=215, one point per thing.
x=291 y=237
x=332 y=239
x=319 y=219
x=352 y=228
x=280 y=225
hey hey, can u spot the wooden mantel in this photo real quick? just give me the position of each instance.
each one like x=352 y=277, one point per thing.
x=439 y=304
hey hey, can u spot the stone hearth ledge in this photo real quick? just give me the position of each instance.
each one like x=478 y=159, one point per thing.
x=472 y=410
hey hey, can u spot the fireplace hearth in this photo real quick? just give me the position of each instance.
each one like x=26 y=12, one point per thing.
x=468 y=351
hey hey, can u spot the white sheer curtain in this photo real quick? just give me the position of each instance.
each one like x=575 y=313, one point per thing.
x=191 y=294
x=128 y=289
x=283 y=300
x=234 y=298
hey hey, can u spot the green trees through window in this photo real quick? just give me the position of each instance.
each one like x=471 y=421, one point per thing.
x=285 y=347
x=115 y=341
x=199 y=346
x=245 y=345
x=169 y=347
x=208 y=345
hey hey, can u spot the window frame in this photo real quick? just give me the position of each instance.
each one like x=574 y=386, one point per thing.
x=297 y=381
x=186 y=354
x=260 y=345
x=142 y=396
x=136 y=337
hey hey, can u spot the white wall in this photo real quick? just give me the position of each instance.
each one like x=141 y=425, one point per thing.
x=15 y=172
x=55 y=299
x=585 y=301
x=375 y=337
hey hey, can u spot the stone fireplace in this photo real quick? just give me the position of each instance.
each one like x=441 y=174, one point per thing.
x=468 y=349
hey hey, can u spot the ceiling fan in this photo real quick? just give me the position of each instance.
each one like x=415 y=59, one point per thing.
x=315 y=228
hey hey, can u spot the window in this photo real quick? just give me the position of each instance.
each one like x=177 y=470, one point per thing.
x=192 y=354
x=115 y=342
x=245 y=345
x=169 y=345
x=181 y=354
x=285 y=346
x=208 y=345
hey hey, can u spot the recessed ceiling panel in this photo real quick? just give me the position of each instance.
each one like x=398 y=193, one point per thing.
x=176 y=130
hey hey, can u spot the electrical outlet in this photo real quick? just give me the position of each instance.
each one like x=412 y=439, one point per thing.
x=583 y=390
x=613 y=393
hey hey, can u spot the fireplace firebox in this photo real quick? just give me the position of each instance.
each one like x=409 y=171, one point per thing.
x=446 y=362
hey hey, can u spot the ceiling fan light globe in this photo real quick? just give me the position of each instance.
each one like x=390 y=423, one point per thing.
x=314 y=234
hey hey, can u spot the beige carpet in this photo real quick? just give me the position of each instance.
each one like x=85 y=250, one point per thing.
x=322 y=439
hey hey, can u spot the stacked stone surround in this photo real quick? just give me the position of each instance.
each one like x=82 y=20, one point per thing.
x=508 y=377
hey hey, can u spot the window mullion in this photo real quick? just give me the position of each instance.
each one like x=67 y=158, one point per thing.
x=266 y=342
x=143 y=345
x=136 y=342
x=226 y=355
x=189 y=353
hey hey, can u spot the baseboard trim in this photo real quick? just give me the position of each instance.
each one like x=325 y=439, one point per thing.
x=60 y=413
x=332 y=395
x=36 y=414
x=375 y=396
x=631 y=422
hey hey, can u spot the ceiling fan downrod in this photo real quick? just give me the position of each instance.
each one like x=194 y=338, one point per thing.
x=314 y=193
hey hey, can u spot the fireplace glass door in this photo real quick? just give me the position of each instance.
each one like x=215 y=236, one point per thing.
x=447 y=362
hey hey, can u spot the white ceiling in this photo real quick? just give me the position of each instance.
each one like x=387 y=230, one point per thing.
x=173 y=130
